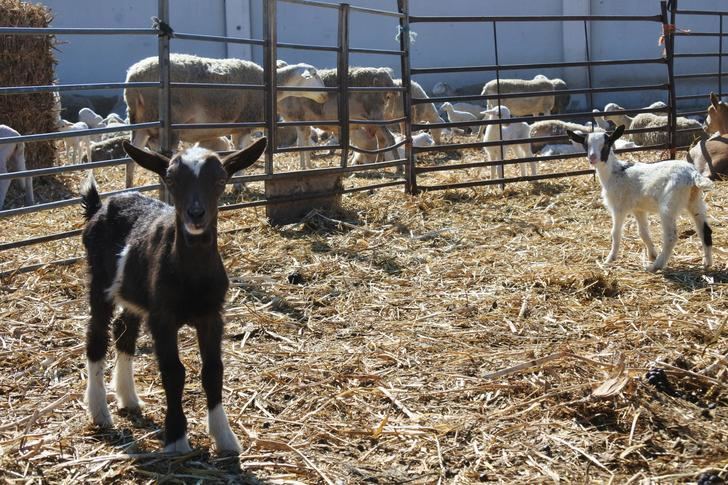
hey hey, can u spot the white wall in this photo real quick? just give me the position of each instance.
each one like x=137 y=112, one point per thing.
x=104 y=59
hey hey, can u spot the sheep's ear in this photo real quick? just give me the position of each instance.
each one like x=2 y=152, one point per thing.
x=577 y=136
x=244 y=158
x=156 y=162
x=616 y=134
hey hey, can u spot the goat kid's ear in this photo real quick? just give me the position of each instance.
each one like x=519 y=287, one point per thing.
x=714 y=100
x=156 y=162
x=244 y=158
x=576 y=136
x=616 y=134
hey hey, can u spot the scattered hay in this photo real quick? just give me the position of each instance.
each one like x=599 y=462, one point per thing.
x=28 y=61
x=458 y=336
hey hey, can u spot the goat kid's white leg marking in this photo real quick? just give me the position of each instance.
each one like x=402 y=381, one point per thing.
x=115 y=287
x=219 y=427
x=126 y=394
x=617 y=224
x=96 y=394
x=179 y=446
x=669 y=239
x=644 y=230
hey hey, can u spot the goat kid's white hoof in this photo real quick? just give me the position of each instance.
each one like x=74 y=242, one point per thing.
x=219 y=428
x=653 y=268
x=99 y=412
x=179 y=446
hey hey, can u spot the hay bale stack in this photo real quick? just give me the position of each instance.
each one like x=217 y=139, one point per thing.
x=28 y=61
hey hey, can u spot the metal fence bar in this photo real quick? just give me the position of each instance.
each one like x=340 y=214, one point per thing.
x=720 y=57
x=217 y=38
x=501 y=166
x=696 y=12
x=538 y=65
x=342 y=68
x=40 y=172
x=700 y=34
x=528 y=119
x=269 y=66
x=540 y=18
x=74 y=31
x=220 y=86
x=73 y=134
x=669 y=41
x=590 y=92
x=410 y=175
x=530 y=178
x=75 y=87
x=308 y=47
x=165 y=98
x=66 y=202
x=481 y=97
x=308 y=196
x=699 y=75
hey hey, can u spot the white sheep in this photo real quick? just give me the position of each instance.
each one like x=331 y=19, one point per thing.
x=562 y=100
x=651 y=120
x=89 y=116
x=421 y=113
x=78 y=146
x=454 y=115
x=510 y=132
x=522 y=106
x=546 y=128
x=667 y=188
x=12 y=159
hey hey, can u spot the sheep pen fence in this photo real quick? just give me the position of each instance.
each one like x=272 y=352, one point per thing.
x=414 y=174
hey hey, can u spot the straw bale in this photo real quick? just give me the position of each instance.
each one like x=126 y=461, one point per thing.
x=460 y=336
x=28 y=61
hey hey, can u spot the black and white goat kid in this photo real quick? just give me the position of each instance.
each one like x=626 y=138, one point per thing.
x=666 y=188
x=161 y=265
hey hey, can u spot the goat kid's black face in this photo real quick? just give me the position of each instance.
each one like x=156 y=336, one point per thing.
x=596 y=145
x=196 y=179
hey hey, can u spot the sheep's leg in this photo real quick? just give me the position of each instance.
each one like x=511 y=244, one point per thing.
x=4 y=184
x=126 y=331
x=644 y=230
x=304 y=140
x=669 y=240
x=697 y=211
x=209 y=336
x=617 y=225
x=164 y=333
x=27 y=182
x=97 y=342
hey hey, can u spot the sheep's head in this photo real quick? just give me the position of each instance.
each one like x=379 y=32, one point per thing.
x=717 y=120
x=597 y=145
x=500 y=111
x=196 y=178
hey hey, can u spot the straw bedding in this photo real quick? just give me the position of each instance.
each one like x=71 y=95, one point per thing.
x=455 y=337
x=28 y=61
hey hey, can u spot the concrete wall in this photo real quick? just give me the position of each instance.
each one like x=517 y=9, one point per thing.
x=100 y=59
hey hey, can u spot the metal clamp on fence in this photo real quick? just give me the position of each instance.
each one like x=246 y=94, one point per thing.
x=163 y=28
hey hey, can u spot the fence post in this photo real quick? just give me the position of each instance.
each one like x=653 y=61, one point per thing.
x=270 y=68
x=498 y=98
x=590 y=96
x=669 y=40
x=410 y=167
x=720 y=58
x=165 y=115
x=342 y=68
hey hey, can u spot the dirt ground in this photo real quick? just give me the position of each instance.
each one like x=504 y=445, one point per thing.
x=459 y=336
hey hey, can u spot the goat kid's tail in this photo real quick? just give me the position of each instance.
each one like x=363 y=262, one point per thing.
x=90 y=200
x=702 y=182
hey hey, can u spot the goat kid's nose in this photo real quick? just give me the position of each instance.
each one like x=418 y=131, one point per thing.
x=196 y=211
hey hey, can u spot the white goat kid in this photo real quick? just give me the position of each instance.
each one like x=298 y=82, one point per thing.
x=12 y=159
x=666 y=188
x=510 y=132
